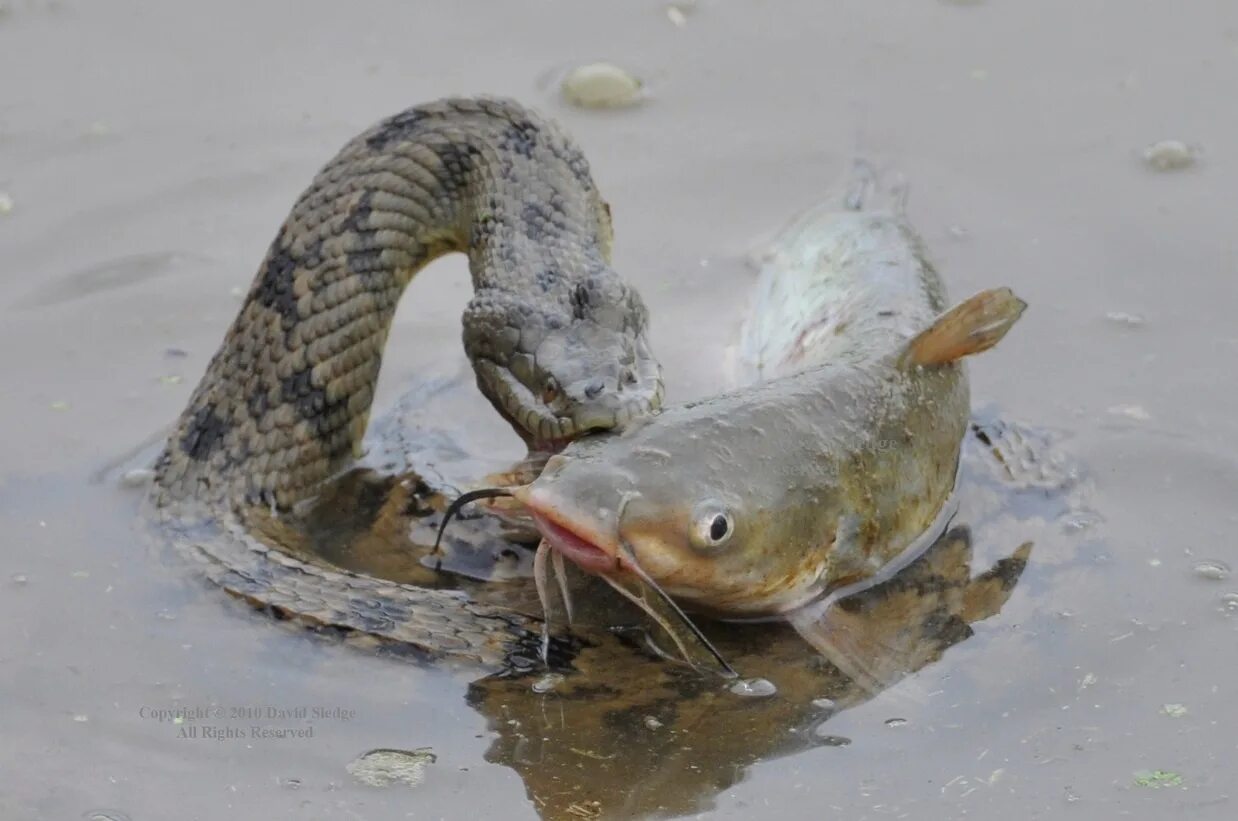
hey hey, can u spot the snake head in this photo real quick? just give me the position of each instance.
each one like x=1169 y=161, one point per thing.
x=560 y=369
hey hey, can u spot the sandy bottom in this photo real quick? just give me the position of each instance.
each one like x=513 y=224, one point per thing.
x=148 y=152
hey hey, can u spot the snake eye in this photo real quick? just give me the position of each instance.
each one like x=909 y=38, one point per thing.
x=712 y=526
x=550 y=391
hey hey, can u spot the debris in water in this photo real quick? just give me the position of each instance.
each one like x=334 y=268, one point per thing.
x=827 y=740
x=1170 y=155
x=1136 y=412
x=1155 y=779
x=1174 y=710
x=895 y=722
x=754 y=688
x=1080 y=520
x=289 y=783
x=1213 y=569
x=6 y=204
x=547 y=682
x=381 y=768
x=601 y=85
x=1123 y=318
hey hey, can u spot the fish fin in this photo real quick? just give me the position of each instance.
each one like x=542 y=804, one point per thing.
x=970 y=327
x=848 y=641
x=986 y=594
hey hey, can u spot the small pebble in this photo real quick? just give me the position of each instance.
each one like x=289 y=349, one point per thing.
x=6 y=204
x=547 y=682
x=1213 y=569
x=1136 y=412
x=381 y=768
x=827 y=704
x=652 y=723
x=138 y=477
x=675 y=14
x=1170 y=155
x=601 y=85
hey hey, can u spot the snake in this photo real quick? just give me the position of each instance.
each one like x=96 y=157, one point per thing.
x=557 y=340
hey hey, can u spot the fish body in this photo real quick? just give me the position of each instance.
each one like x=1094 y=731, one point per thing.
x=817 y=475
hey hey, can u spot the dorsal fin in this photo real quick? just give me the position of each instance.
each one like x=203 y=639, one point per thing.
x=972 y=326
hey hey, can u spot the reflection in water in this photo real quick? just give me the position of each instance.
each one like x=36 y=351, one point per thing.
x=627 y=733
x=620 y=728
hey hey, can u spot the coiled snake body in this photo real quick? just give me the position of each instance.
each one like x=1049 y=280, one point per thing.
x=556 y=338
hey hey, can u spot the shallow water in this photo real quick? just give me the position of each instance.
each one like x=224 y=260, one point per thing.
x=150 y=151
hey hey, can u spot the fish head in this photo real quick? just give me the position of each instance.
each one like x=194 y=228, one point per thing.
x=708 y=510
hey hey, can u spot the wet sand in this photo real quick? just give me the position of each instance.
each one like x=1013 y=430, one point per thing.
x=151 y=150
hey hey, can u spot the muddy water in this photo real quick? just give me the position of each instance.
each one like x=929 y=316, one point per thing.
x=150 y=150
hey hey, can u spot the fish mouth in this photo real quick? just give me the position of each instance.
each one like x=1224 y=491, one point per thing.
x=588 y=550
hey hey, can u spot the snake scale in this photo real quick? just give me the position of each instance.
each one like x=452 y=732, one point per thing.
x=556 y=337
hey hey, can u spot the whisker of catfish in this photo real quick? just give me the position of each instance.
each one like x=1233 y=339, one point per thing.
x=543 y=593
x=728 y=670
x=561 y=575
x=460 y=501
x=651 y=612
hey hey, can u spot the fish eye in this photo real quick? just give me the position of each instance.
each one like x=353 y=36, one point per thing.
x=712 y=526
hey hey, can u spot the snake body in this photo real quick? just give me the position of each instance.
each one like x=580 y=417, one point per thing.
x=556 y=337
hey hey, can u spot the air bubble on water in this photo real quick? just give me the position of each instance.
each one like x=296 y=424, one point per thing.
x=1124 y=318
x=1229 y=604
x=547 y=683
x=1213 y=569
x=105 y=815
x=754 y=688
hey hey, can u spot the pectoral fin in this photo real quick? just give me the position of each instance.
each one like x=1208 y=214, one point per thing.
x=972 y=326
